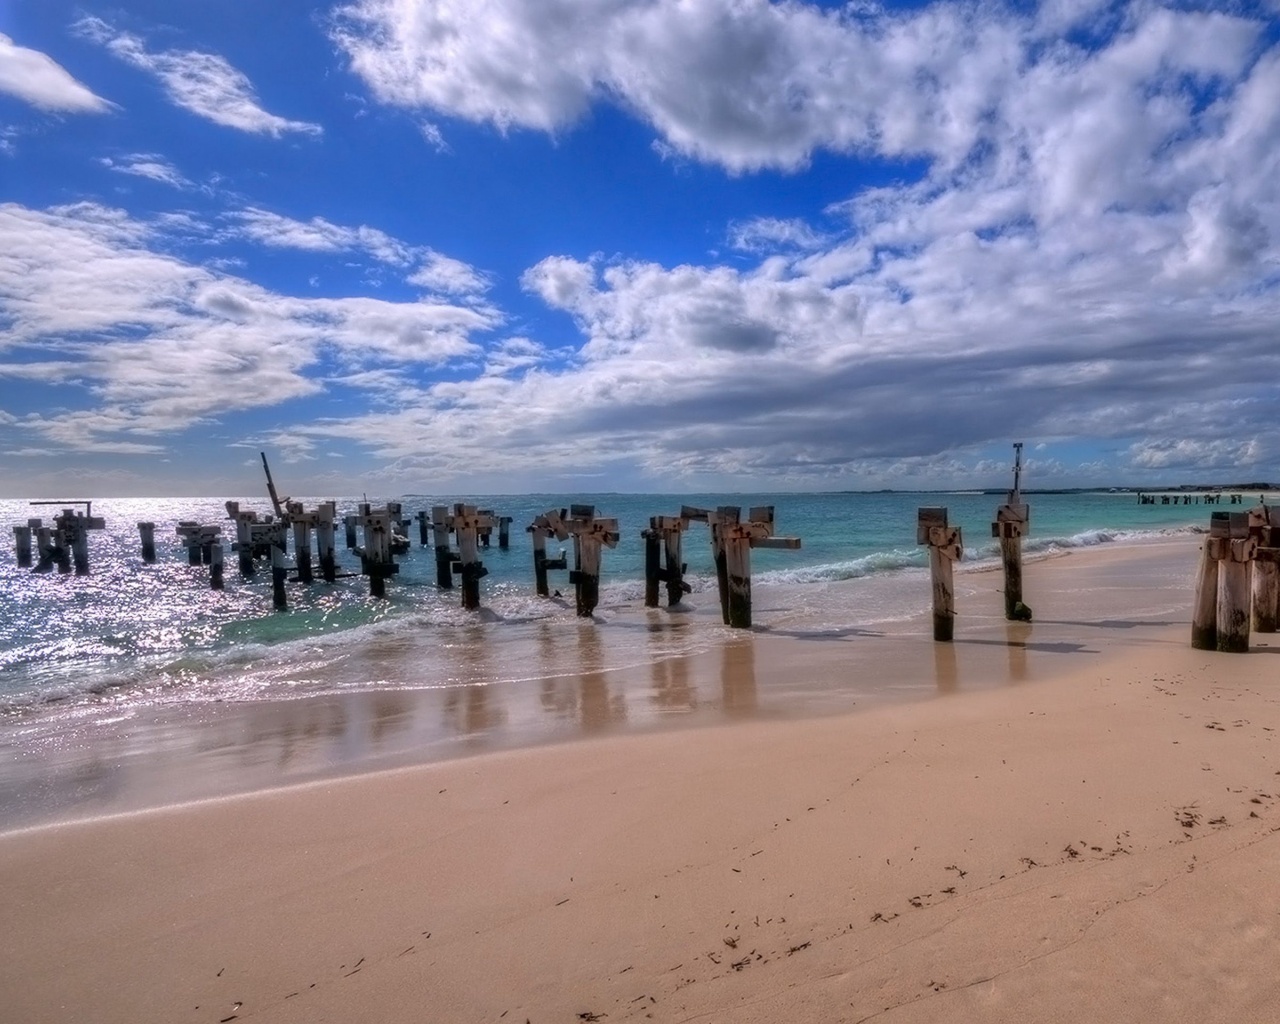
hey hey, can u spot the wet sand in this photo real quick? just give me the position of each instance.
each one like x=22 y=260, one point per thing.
x=1099 y=845
x=118 y=757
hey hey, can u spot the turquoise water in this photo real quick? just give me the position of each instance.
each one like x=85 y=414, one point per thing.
x=132 y=634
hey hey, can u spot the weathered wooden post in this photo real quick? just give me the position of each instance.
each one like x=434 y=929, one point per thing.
x=441 y=525
x=303 y=523
x=652 y=562
x=549 y=524
x=243 y=546
x=735 y=540
x=945 y=549
x=376 y=559
x=47 y=551
x=22 y=542
x=279 y=573
x=1266 y=568
x=1204 y=612
x=468 y=524
x=424 y=521
x=589 y=536
x=720 y=520
x=504 y=532
x=147 y=531
x=1011 y=523
x=673 y=528
x=350 y=523
x=215 y=566
x=325 y=516
x=189 y=532
x=1233 y=584
x=483 y=533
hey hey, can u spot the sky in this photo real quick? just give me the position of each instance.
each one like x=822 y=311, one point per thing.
x=502 y=246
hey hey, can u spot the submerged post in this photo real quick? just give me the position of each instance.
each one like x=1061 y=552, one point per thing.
x=652 y=562
x=441 y=524
x=469 y=523
x=549 y=524
x=724 y=517
x=302 y=522
x=504 y=532
x=1011 y=523
x=215 y=566
x=349 y=523
x=424 y=521
x=945 y=549
x=147 y=531
x=376 y=560
x=279 y=573
x=325 y=515
x=243 y=546
x=22 y=542
x=590 y=535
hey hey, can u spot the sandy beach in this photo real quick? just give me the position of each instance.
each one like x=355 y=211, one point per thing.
x=1075 y=819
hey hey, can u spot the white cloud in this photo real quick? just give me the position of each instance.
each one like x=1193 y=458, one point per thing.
x=203 y=83
x=161 y=344
x=431 y=270
x=765 y=234
x=147 y=165
x=38 y=79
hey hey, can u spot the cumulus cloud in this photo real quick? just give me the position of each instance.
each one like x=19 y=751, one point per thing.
x=203 y=83
x=38 y=79
x=162 y=344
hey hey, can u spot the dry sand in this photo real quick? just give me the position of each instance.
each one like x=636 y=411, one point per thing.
x=1100 y=845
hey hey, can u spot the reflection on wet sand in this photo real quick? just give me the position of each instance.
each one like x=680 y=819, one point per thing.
x=738 y=676
x=584 y=695
x=672 y=688
x=471 y=706
x=1018 y=633
x=945 y=672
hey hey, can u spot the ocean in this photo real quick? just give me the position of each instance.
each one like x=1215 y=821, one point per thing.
x=132 y=634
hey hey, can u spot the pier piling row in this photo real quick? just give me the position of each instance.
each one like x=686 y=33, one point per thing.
x=590 y=535
x=945 y=549
x=198 y=539
x=549 y=524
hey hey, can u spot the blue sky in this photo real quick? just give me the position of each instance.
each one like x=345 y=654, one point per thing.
x=514 y=245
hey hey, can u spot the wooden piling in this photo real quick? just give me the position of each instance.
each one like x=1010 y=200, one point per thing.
x=1012 y=519
x=243 y=546
x=504 y=533
x=549 y=524
x=1233 y=584
x=349 y=523
x=720 y=521
x=22 y=543
x=147 y=531
x=325 y=515
x=46 y=549
x=590 y=535
x=468 y=524
x=424 y=524
x=215 y=567
x=441 y=523
x=301 y=522
x=945 y=549
x=1264 y=525
x=652 y=562
x=1204 y=612
x=279 y=574
x=673 y=528
x=376 y=558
